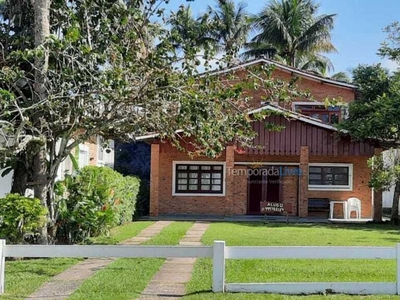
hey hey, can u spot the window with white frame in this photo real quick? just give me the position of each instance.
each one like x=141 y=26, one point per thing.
x=316 y=110
x=330 y=177
x=83 y=156
x=100 y=149
x=198 y=178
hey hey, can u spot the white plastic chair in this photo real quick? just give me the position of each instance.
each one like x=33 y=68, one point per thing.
x=354 y=204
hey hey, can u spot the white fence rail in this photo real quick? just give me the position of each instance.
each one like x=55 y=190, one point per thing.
x=355 y=288
x=220 y=253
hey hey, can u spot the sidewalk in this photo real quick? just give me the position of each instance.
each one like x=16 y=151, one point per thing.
x=67 y=282
x=169 y=283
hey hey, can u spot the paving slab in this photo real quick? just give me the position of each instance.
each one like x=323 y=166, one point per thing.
x=66 y=283
x=170 y=281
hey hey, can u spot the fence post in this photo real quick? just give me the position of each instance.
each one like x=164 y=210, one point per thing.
x=2 y=265
x=218 y=285
x=398 y=268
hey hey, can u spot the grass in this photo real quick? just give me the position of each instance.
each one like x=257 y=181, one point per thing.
x=121 y=233
x=23 y=277
x=126 y=278
x=286 y=270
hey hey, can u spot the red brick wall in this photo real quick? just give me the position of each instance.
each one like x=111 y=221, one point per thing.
x=318 y=90
x=169 y=204
x=361 y=175
x=92 y=153
x=216 y=205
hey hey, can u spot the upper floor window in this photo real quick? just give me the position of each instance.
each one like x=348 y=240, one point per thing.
x=328 y=115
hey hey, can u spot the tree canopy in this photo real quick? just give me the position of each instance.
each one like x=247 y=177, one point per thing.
x=292 y=30
x=374 y=115
x=74 y=70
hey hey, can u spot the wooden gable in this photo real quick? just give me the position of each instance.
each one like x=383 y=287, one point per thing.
x=321 y=141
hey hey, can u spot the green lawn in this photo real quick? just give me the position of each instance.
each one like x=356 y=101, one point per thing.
x=285 y=270
x=126 y=278
x=121 y=233
x=25 y=276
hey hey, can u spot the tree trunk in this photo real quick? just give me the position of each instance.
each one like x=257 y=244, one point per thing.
x=20 y=176
x=394 y=219
x=39 y=170
x=377 y=206
x=40 y=186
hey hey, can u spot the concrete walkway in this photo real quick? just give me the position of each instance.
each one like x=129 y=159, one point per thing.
x=67 y=282
x=169 y=282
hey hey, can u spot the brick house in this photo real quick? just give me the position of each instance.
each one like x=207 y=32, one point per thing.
x=307 y=160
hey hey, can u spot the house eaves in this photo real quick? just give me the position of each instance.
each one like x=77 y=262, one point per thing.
x=295 y=116
x=286 y=69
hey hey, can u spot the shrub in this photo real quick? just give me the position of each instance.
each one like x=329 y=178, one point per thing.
x=20 y=216
x=93 y=201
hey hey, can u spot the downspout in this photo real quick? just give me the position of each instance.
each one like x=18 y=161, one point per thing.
x=298 y=195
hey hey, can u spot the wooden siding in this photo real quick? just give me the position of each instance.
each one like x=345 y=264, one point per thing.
x=320 y=141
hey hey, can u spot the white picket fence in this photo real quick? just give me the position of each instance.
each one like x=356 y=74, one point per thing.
x=219 y=253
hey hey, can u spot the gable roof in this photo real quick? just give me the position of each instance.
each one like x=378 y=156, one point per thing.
x=294 y=115
x=291 y=114
x=286 y=69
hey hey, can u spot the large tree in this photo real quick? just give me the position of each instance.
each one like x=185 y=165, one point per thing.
x=106 y=68
x=374 y=115
x=292 y=30
x=232 y=26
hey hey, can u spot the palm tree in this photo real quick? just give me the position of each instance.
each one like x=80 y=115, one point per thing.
x=341 y=76
x=291 y=29
x=232 y=25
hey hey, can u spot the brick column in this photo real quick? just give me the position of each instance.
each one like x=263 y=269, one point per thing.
x=376 y=198
x=229 y=179
x=303 y=182
x=154 y=179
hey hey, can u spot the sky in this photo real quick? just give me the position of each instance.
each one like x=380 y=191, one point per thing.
x=358 y=27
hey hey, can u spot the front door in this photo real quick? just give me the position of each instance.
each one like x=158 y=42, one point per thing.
x=262 y=186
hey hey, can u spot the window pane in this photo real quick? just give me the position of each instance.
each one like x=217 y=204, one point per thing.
x=182 y=167
x=193 y=167
x=193 y=175
x=205 y=187
x=341 y=182
x=182 y=187
x=315 y=170
x=193 y=187
x=216 y=181
x=343 y=170
x=193 y=181
x=205 y=175
x=315 y=182
x=217 y=175
x=206 y=167
x=328 y=176
x=217 y=168
x=342 y=177
x=334 y=108
x=334 y=118
x=325 y=118
x=216 y=188
x=182 y=181
x=182 y=175
x=315 y=176
x=327 y=170
x=205 y=181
